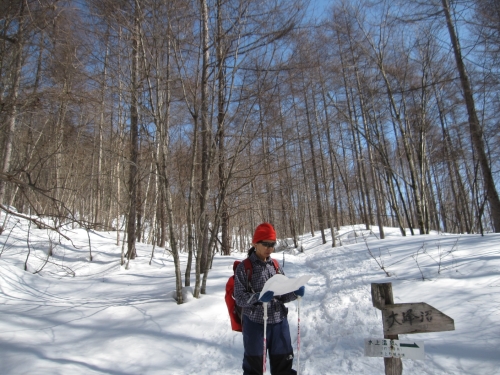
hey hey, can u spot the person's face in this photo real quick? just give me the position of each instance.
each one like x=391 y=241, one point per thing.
x=264 y=249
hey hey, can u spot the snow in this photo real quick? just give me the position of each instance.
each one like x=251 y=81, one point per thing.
x=79 y=317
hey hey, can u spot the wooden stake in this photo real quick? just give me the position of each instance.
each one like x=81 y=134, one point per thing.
x=381 y=296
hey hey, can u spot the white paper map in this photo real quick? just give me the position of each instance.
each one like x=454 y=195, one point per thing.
x=280 y=284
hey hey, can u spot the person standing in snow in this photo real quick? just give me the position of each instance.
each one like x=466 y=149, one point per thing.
x=247 y=296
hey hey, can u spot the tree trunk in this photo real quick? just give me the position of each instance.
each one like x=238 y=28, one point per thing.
x=221 y=104
x=134 y=140
x=319 y=209
x=203 y=222
x=475 y=128
x=98 y=199
x=371 y=163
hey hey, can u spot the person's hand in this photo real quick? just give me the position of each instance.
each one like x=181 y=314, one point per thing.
x=300 y=292
x=267 y=296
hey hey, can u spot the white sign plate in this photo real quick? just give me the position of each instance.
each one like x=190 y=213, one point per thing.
x=394 y=348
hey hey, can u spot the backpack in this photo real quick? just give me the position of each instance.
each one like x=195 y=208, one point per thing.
x=233 y=309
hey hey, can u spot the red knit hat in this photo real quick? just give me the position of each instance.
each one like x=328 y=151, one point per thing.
x=264 y=231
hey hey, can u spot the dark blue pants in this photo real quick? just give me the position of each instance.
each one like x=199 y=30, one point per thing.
x=278 y=344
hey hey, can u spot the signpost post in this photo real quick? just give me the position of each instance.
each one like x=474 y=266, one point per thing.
x=402 y=318
x=381 y=296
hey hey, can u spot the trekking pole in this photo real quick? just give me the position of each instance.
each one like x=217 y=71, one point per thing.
x=298 y=335
x=265 y=339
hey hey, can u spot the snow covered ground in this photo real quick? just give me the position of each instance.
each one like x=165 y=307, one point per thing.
x=79 y=317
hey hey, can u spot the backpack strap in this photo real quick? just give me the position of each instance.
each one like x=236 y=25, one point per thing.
x=248 y=271
x=276 y=265
x=248 y=267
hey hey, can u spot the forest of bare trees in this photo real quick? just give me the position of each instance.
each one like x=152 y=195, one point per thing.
x=184 y=124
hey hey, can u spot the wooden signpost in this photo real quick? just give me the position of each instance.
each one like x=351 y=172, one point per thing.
x=404 y=318
x=414 y=318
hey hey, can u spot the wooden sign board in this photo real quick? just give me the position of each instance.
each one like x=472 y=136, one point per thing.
x=394 y=349
x=414 y=318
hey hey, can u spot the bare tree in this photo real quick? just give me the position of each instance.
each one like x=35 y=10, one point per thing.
x=475 y=127
x=17 y=41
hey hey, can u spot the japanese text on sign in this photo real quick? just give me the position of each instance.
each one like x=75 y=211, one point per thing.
x=409 y=316
x=394 y=349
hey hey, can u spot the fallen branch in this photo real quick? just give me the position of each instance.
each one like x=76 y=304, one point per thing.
x=40 y=224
